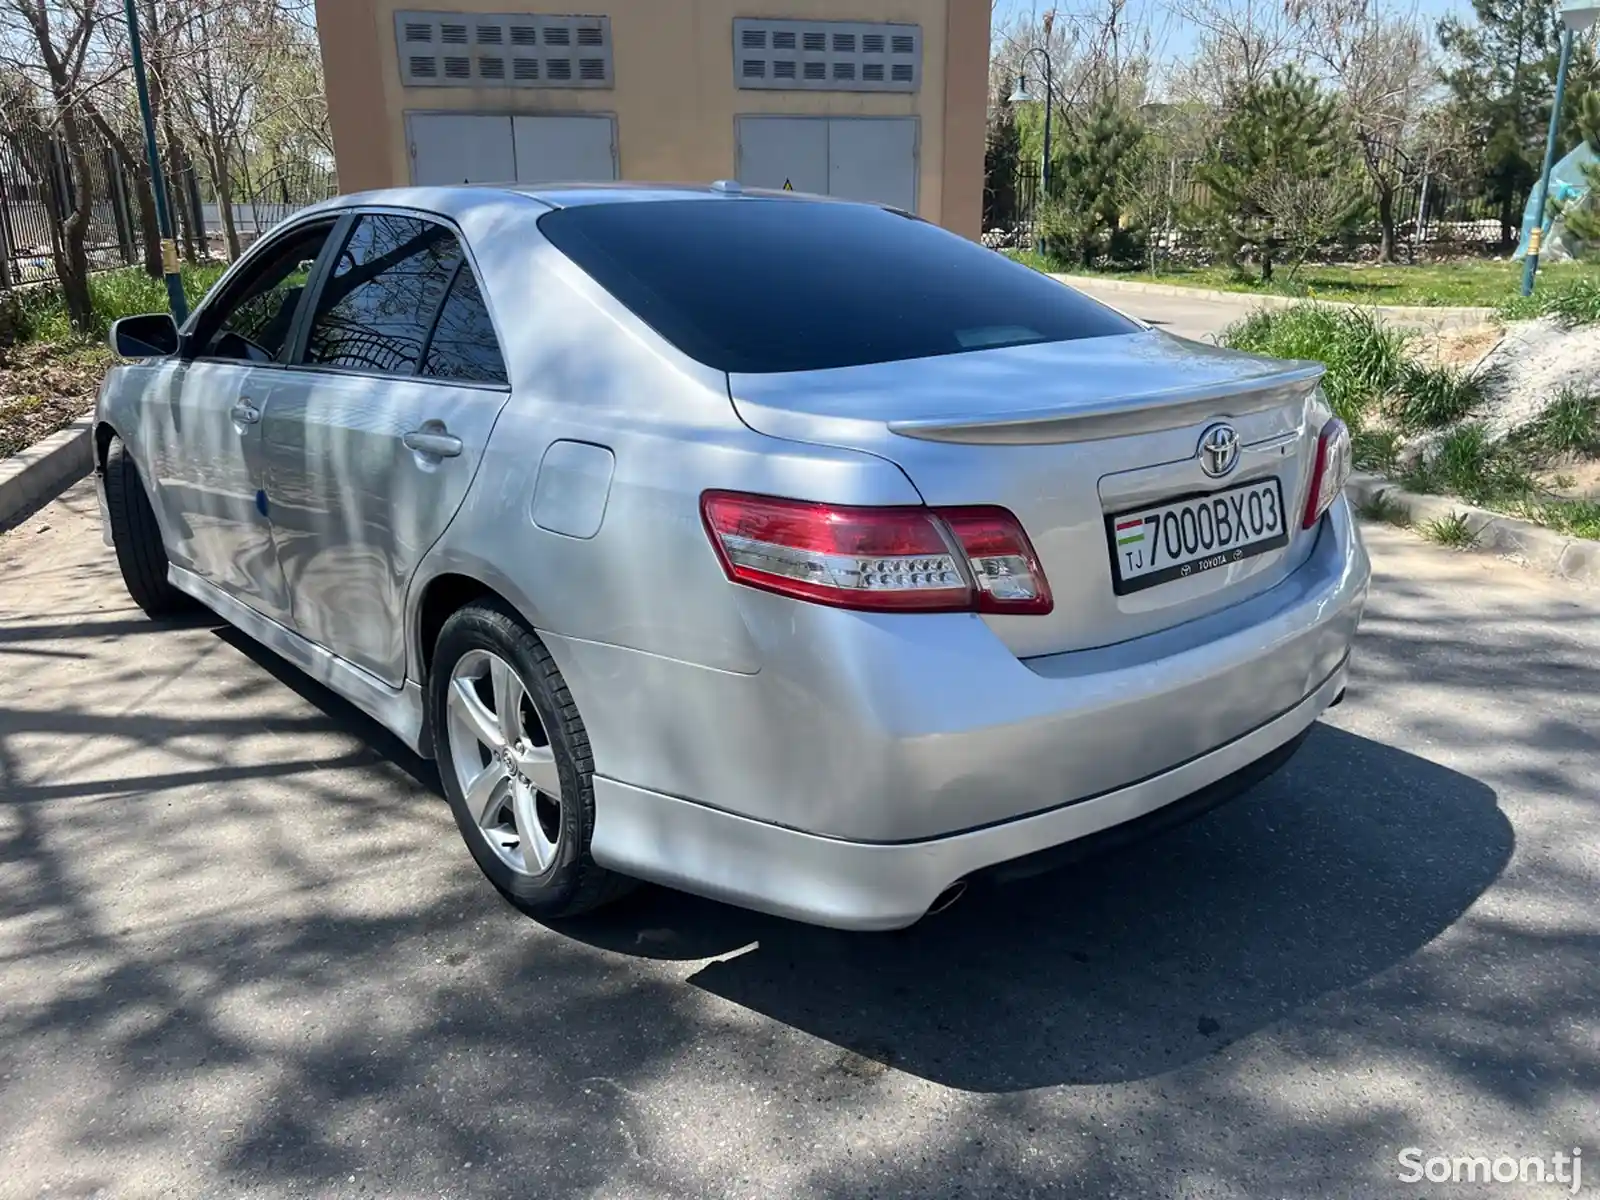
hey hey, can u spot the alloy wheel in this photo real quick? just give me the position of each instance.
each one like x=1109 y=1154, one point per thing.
x=503 y=760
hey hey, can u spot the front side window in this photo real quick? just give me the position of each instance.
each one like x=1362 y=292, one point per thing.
x=384 y=295
x=252 y=321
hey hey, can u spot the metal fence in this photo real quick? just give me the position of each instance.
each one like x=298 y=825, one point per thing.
x=1431 y=209
x=39 y=190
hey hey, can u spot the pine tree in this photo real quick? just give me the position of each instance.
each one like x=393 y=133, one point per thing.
x=1501 y=77
x=1093 y=178
x=1283 y=131
x=1583 y=218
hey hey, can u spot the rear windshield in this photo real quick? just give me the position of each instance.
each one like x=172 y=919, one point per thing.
x=756 y=286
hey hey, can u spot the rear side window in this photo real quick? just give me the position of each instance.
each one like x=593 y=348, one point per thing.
x=387 y=287
x=463 y=345
x=757 y=286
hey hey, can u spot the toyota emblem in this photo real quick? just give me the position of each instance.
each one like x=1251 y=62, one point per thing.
x=1219 y=450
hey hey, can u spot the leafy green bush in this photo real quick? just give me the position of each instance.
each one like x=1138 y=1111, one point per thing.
x=1365 y=358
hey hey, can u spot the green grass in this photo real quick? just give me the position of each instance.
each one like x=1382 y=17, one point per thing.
x=40 y=315
x=1570 y=299
x=1580 y=518
x=1431 y=397
x=1452 y=531
x=1469 y=283
x=1391 y=512
x=1483 y=472
x=1570 y=427
x=1365 y=358
x=1376 y=450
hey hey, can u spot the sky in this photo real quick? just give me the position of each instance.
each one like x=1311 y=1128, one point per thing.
x=1175 y=35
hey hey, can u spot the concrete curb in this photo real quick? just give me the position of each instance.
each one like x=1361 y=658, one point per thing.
x=1570 y=558
x=43 y=471
x=1440 y=317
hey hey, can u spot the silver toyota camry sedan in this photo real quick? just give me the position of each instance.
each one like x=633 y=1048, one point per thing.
x=790 y=551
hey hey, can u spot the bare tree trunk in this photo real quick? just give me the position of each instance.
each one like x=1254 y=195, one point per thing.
x=149 y=227
x=71 y=256
x=224 y=186
x=177 y=199
x=1385 y=222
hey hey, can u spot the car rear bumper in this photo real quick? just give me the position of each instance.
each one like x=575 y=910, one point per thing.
x=866 y=886
x=903 y=729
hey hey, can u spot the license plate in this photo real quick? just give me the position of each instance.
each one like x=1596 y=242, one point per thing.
x=1185 y=536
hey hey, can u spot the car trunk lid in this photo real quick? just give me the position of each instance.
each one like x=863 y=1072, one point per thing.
x=1068 y=435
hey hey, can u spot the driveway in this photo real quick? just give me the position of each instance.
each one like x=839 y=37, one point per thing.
x=1202 y=316
x=243 y=951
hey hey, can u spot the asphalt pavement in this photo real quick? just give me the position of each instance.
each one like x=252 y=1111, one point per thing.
x=1203 y=316
x=243 y=951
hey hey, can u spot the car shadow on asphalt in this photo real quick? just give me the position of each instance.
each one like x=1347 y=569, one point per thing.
x=1132 y=964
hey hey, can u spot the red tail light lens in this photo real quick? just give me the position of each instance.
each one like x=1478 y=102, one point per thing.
x=1004 y=569
x=1330 y=471
x=877 y=559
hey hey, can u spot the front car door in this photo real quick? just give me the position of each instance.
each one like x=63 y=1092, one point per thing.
x=201 y=426
x=375 y=435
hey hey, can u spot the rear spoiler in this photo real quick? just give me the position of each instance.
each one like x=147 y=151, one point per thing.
x=1120 y=416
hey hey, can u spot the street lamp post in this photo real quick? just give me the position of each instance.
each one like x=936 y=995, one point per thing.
x=158 y=184
x=1576 y=15
x=1021 y=95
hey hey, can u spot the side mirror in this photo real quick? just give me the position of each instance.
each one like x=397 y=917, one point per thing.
x=153 y=335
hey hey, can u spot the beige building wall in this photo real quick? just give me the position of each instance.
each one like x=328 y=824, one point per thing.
x=675 y=97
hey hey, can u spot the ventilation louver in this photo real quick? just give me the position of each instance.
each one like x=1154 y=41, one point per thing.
x=834 y=56
x=503 y=50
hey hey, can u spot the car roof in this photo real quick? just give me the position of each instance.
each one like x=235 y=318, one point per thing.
x=455 y=201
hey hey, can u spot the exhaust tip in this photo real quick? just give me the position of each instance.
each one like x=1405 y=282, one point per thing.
x=948 y=897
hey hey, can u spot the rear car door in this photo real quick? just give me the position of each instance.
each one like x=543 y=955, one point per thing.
x=202 y=427
x=376 y=434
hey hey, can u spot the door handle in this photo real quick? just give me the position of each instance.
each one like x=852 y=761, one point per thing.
x=246 y=413
x=434 y=441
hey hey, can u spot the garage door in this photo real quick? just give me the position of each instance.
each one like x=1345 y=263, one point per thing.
x=856 y=158
x=454 y=148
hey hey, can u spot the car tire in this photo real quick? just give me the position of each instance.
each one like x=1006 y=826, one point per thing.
x=141 y=554
x=546 y=871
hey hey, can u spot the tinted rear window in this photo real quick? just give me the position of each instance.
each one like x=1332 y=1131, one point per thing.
x=755 y=286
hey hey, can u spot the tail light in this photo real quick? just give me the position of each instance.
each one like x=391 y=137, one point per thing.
x=1331 y=470
x=877 y=559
